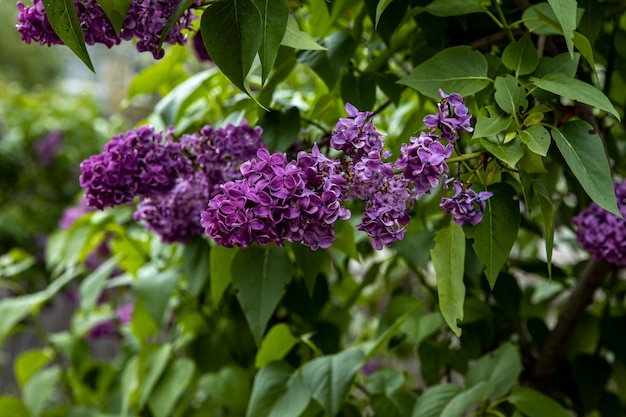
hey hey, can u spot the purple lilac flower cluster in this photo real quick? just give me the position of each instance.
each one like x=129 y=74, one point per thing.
x=144 y=21
x=173 y=180
x=216 y=154
x=138 y=163
x=279 y=201
x=390 y=189
x=603 y=234
x=109 y=329
x=466 y=205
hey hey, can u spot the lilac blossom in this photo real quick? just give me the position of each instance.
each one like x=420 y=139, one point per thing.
x=109 y=329
x=423 y=162
x=601 y=233
x=466 y=205
x=48 y=146
x=137 y=163
x=279 y=201
x=175 y=216
x=145 y=21
x=355 y=136
x=216 y=154
x=452 y=117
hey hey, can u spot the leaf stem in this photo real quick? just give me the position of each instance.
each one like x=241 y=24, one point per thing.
x=503 y=23
x=465 y=157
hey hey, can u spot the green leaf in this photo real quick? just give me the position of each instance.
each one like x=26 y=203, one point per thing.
x=448 y=257
x=92 y=285
x=385 y=381
x=29 y=363
x=280 y=128
x=196 y=265
x=576 y=90
x=161 y=76
x=116 y=12
x=220 y=271
x=565 y=12
x=274 y=15
x=510 y=152
x=269 y=388
x=260 y=276
x=537 y=138
x=536 y=404
x=584 y=153
x=13 y=407
x=171 y=387
x=432 y=402
x=181 y=7
x=154 y=289
x=584 y=46
x=275 y=345
x=500 y=368
x=172 y=106
x=445 y=8
x=63 y=18
x=297 y=39
x=232 y=33
x=562 y=63
x=462 y=401
x=152 y=363
x=312 y=263
x=510 y=96
x=544 y=200
x=455 y=70
x=488 y=126
x=330 y=63
x=15 y=309
x=380 y=8
x=359 y=90
x=396 y=404
x=230 y=387
x=329 y=378
x=521 y=56
x=419 y=326
x=38 y=390
x=345 y=241
x=495 y=235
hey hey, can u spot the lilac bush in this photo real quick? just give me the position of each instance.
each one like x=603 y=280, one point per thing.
x=145 y=21
x=109 y=329
x=601 y=233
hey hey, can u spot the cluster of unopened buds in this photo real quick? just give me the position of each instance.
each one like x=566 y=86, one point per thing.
x=225 y=183
x=145 y=22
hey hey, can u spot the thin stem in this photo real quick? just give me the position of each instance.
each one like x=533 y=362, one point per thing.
x=465 y=157
x=505 y=25
x=41 y=332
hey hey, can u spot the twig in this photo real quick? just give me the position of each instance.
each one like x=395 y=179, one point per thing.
x=557 y=341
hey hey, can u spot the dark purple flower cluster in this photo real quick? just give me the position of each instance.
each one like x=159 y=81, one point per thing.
x=452 y=117
x=603 y=234
x=466 y=205
x=144 y=21
x=279 y=201
x=216 y=154
x=138 y=163
x=109 y=329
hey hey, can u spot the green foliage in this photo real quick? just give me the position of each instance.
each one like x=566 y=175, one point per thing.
x=450 y=321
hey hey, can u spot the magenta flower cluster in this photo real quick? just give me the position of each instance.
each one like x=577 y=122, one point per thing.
x=109 y=329
x=601 y=233
x=174 y=180
x=144 y=22
x=279 y=201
